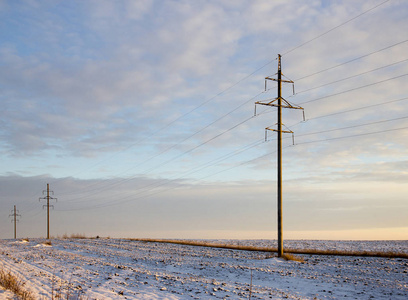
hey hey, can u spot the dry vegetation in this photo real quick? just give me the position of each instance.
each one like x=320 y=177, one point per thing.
x=79 y=236
x=350 y=253
x=15 y=285
x=289 y=256
x=287 y=251
x=74 y=236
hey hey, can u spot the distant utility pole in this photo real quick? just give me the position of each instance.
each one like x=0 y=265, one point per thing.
x=15 y=215
x=277 y=102
x=48 y=208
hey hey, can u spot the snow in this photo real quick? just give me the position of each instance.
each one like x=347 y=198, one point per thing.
x=123 y=269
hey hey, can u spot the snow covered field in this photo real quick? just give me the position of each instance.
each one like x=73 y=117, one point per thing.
x=122 y=269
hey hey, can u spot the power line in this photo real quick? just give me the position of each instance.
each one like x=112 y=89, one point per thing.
x=352 y=60
x=354 y=126
x=354 y=135
x=354 y=89
x=334 y=28
x=349 y=61
x=353 y=76
x=359 y=108
x=308 y=142
x=344 y=111
x=349 y=136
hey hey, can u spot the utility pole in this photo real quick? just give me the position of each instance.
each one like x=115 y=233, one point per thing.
x=277 y=102
x=15 y=215
x=48 y=197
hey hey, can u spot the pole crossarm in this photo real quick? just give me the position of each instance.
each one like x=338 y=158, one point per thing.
x=286 y=104
x=275 y=79
x=12 y=215
x=279 y=79
x=15 y=213
x=50 y=198
x=276 y=130
x=46 y=206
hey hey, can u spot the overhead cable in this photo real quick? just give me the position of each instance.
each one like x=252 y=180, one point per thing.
x=334 y=28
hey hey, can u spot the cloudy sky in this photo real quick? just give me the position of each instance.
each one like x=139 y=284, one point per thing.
x=140 y=116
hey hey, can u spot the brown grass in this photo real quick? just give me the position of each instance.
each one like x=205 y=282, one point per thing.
x=14 y=284
x=389 y=254
x=208 y=244
x=271 y=249
x=80 y=236
x=289 y=256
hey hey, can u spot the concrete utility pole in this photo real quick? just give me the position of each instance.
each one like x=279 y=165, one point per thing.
x=15 y=215
x=277 y=102
x=48 y=197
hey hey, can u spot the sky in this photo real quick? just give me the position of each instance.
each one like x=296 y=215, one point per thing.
x=140 y=115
